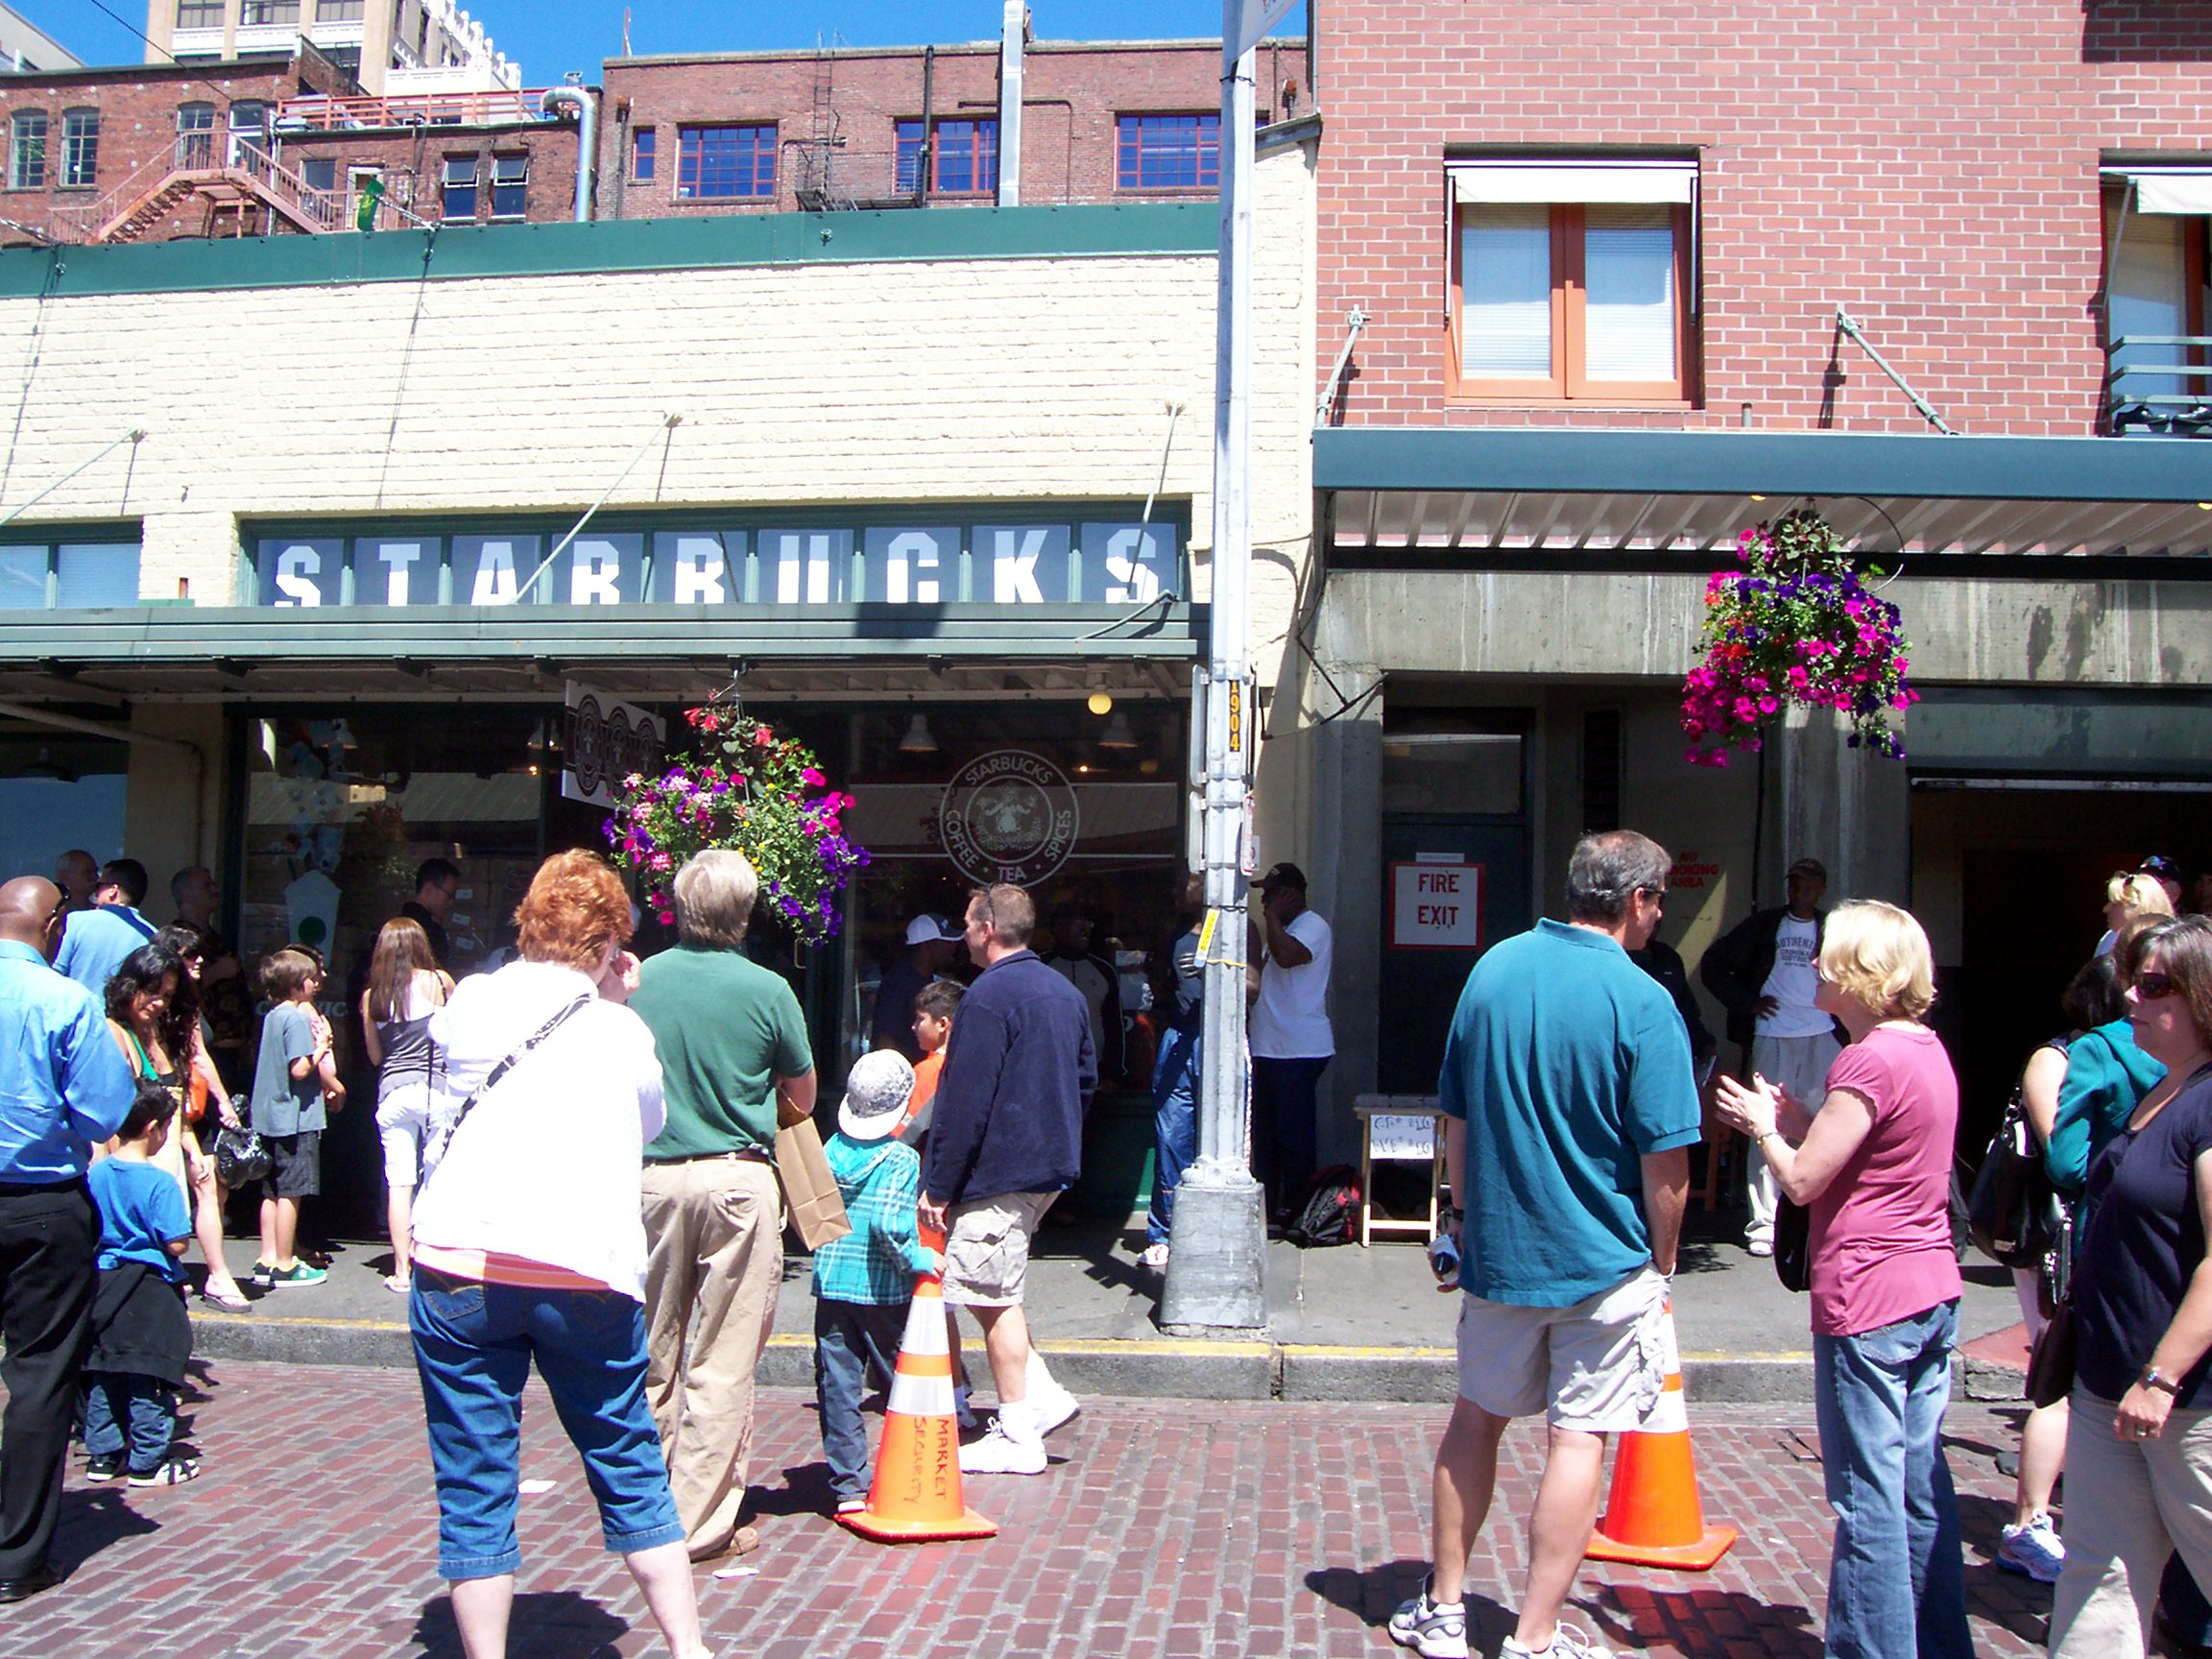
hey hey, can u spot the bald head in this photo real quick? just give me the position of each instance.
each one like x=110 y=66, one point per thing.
x=30 y=905
x=77 y=872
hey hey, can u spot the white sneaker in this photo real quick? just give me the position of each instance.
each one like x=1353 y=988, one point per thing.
x=1567 y=1643
x=999 y=1452
x=1154 y=1256
x=1052 y=1408
x=1760 y=1247
x=2033 y=1550
x=1432 y=1631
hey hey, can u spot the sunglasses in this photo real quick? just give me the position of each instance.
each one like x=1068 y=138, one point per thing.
x=2153 y=987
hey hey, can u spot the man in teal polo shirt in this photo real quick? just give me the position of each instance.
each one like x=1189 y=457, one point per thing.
x=1569 y=1109
x=730 y=1040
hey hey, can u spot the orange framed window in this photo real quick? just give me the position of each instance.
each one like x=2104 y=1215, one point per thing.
x=1567 y=301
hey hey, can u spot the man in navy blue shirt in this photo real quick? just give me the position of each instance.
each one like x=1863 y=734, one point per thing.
x=1006 y=1140
x=98 y=939
x=63 y=1086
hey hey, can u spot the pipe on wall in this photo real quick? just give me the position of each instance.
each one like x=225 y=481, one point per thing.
x=587 y=108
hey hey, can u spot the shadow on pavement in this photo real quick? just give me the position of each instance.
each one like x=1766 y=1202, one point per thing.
x=1373 y=1594
x=2018 y=1603
x=547 y=1625
x=1700 y=1621
x=92 y=1522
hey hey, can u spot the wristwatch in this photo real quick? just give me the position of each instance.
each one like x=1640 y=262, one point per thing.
x=2150 y=1379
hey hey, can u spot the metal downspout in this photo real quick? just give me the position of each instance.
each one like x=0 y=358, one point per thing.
x=586 y=107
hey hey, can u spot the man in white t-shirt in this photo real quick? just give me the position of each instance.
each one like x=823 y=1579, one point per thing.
x=1764 y=972
x=1290 y=1035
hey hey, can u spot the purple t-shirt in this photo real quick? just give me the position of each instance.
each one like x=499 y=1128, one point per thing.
x=1881 y=1233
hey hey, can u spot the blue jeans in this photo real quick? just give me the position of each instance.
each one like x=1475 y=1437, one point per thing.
x=147 y=1404
x=1896 y=1584
x=1174 y=1124
x=849 y=1337
x=473 y=1345
x=1282 y=1130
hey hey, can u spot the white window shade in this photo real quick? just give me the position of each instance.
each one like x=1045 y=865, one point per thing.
x=2171 y=189
x=1661 y=184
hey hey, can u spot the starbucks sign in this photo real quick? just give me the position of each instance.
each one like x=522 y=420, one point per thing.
x=1008 y=816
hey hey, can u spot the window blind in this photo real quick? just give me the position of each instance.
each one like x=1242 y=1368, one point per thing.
x=1665 y=184
x=1506 y=320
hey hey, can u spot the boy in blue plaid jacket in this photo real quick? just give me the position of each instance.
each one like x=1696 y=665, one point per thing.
x=864 y=1280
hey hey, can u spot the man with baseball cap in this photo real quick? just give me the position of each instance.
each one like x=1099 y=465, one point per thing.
x=933 y=947
x=2166 y=874
x=1766 y=972
x=1290 y=1035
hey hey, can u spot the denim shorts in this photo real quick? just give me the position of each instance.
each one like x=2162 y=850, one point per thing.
x=473 y=1347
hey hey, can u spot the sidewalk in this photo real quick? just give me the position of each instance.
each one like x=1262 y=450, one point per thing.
x=1343 y=1324
x=1164 y=1530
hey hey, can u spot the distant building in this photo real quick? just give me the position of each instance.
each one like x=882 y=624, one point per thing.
x=25 y=48
x=268 y=144
x=396 y=47
x=993 y=123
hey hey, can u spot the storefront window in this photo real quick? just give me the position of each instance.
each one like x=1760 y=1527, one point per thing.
x=59 y=792
x=1084 y=811
x=341 y=809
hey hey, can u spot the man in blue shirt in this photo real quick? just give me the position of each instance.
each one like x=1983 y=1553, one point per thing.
x=63 y=1085
x=1569 y=1111
x=97 y=940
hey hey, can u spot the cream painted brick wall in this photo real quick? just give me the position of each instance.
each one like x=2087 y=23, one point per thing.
x=988 y=379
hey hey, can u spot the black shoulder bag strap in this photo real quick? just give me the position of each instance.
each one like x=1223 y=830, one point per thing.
x=504 y=1067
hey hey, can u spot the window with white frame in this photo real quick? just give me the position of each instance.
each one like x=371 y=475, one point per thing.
x=510 y=185
x=80 y=148
x=458 y=200
x=27 y=151
x=1572 y=280
x=2157 y=334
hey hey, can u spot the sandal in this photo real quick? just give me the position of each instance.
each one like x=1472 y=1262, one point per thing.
x=232 y=1301
x=398 y=1285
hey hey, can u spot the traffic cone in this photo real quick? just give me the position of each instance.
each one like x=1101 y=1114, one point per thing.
x=914 y=1497
x=1652 y=1517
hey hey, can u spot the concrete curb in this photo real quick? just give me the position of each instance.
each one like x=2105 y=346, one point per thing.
x=1164 y=1368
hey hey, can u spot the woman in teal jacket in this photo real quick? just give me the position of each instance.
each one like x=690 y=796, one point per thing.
x=2106 y=1076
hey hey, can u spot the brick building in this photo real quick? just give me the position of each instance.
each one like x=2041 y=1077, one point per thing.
x=390 y=46
x=1621 y=277
x=772 y=131
x=268 y=144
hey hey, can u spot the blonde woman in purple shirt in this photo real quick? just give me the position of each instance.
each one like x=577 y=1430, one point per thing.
x=1873 y=1167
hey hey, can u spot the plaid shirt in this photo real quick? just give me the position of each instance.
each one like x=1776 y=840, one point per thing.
x=875 y=1262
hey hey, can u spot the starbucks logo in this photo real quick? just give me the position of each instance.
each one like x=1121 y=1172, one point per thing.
x=1008 y=816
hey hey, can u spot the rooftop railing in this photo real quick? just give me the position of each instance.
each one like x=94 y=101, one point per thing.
x=2159 y=384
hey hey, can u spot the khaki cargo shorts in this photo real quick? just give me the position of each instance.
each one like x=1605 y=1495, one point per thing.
x=987 y=1248
x=1595 y=1366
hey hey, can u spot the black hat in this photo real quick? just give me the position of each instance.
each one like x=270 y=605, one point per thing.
x=1282 y=875
x=2160 y=866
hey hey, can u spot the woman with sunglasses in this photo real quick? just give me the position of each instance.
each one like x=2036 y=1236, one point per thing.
x=2139 y=1443
x=153 y=1013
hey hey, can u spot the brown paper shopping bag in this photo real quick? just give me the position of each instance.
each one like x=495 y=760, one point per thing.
x=809 y=1189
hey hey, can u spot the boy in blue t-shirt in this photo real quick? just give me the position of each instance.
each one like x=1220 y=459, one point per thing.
x=864 y=1280
x=141 y=1336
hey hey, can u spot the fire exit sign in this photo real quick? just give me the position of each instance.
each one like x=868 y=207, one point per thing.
x=1436 y=904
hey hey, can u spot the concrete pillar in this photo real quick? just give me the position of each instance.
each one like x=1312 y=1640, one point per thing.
x=173 y=808
x=1320 y=787
x=1848 y=807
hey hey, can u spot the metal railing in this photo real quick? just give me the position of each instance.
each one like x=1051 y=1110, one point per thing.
x=209 y=160
x=2171 y=391
x=501 y=108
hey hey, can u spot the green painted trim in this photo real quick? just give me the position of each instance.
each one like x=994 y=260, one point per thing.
x=707 y=242
x=1587 y=461
x=572 y=632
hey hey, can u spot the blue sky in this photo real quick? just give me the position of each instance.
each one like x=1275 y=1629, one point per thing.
x=551 y=36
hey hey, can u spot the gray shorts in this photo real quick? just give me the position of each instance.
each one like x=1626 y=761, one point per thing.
x=987 y=1248
x=1596 y=1366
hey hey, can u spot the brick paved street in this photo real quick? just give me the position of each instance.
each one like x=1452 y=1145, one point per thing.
x=1164 y=1529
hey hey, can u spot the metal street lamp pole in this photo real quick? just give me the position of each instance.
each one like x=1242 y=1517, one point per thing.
x=1220 y=1231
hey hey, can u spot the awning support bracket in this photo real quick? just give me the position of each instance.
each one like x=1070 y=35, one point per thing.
x=1850 y=331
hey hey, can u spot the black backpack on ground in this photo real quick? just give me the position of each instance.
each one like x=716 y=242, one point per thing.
x=1328 y=1211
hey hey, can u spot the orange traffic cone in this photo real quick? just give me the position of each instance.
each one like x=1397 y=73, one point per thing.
x=1653 y=1518
x=914 y=1497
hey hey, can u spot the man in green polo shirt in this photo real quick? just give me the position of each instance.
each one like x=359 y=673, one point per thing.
x=730 y=1040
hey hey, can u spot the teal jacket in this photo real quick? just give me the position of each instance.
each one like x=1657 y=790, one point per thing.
x=2106 y=1076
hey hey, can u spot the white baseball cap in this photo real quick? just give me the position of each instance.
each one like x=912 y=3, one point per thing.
x=927 y=929
x=877 y=1091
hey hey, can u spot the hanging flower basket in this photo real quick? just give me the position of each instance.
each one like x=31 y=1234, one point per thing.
x=750 y=791
x=1794 y=626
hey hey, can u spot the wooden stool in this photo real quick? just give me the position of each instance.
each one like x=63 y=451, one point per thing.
x=1398 y=1129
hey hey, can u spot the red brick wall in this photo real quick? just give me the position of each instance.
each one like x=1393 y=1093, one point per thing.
x=1072 y=95
x=1933 y=168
